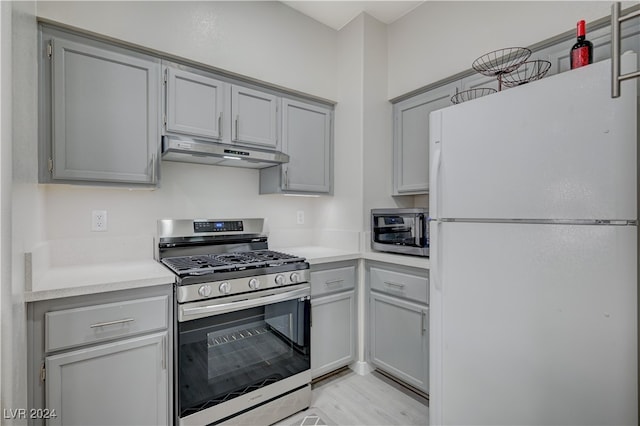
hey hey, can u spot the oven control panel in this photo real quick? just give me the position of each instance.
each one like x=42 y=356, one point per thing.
x=218 y=226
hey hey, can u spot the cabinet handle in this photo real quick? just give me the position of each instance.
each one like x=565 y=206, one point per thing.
x=424 y=328
x=220 y=125
x=164 y=352
x=237 y=127
x=328 y=283
x=286 y=178
x=154 y=179
x=104 y=324
x=398 y=286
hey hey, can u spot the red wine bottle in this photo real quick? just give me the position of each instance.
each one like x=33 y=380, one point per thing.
x=582 y=51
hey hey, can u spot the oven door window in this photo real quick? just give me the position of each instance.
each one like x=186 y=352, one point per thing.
x=224 y=356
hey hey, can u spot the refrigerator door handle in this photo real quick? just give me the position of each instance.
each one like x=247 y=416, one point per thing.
x=436 y=255
x=434 y=190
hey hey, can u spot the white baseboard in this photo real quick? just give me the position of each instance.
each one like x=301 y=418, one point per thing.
x=361 y=368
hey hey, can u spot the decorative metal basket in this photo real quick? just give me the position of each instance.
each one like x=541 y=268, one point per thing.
x=501 y=62
x=528 y=71
x=470 y=94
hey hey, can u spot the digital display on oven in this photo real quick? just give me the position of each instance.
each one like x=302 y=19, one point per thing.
x=214 y=226
x=393 y=220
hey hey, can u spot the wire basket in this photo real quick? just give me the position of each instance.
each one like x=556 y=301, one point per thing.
x=502 y=61
x=528 y=71
x=468 y=95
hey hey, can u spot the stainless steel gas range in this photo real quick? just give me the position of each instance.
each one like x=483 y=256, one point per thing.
x=242 y=345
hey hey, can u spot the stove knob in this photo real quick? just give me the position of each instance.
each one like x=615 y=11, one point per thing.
x=280 y=280
x=295 y=277
x=205 y=290
x=225 y=288
x=254 y=284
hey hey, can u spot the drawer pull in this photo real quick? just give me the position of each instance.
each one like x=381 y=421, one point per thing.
x=104 y=324
x=397 y=286
x=338 y=281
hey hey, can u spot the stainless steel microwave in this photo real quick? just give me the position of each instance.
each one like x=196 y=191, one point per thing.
x=402 y=231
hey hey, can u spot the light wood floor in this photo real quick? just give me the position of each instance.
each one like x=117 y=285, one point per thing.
x=373 y=400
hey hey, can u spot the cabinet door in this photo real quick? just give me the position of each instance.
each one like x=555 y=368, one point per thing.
x=120 y=383
x=195 y=104
x=332 y=332
x=105 y=114
x=306 y=138
x=399 y=339
x=254 y=117
x=411 y=140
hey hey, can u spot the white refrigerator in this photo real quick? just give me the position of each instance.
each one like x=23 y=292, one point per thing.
x=533 y=279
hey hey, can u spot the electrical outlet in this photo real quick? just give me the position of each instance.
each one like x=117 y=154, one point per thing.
x=300 y=217
x=99 y=220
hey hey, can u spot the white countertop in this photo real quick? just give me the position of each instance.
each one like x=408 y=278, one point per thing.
x=398 y=259
x=318 y=255
x=51 y=280
x=69 y=281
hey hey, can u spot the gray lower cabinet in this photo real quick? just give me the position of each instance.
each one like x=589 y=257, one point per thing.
x=411 y=139
x=399 y=322
x=102 y=359
x=100 y=112
x=307 y=139
x=332 y=332
x=118 y=383
x=333 y=317
x=400 y=339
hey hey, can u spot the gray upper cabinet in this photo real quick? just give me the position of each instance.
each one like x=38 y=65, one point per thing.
x=255 y=117
x=411 y=140
x=196 y=104
x=100 y=113
x=306 y=138
x=479 y=81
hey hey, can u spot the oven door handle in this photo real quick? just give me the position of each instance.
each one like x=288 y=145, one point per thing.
x=223 y=308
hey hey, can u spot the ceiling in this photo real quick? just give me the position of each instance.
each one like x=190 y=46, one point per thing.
x=336 y=14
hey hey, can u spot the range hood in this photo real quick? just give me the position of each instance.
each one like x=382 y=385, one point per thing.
x=194 y=151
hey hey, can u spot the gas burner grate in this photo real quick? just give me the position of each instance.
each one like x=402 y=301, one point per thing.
x=236 y=258
x=181 y=264
x=228 y=262
x=274 y=258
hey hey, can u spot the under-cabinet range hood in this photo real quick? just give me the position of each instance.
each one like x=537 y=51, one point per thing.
x=193 y=151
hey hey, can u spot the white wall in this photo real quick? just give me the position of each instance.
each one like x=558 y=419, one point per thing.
x=5 y=222
x=262 y=40
x=377 y=125
x=441 y=38
x=18 y=185
x=265 y=40
x=340 y=212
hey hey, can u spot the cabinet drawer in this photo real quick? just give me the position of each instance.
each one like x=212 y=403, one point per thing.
x=333 y=280
x=80 y=326
x=401 y=284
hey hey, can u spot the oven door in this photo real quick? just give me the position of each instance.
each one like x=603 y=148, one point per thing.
x=241 y=351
